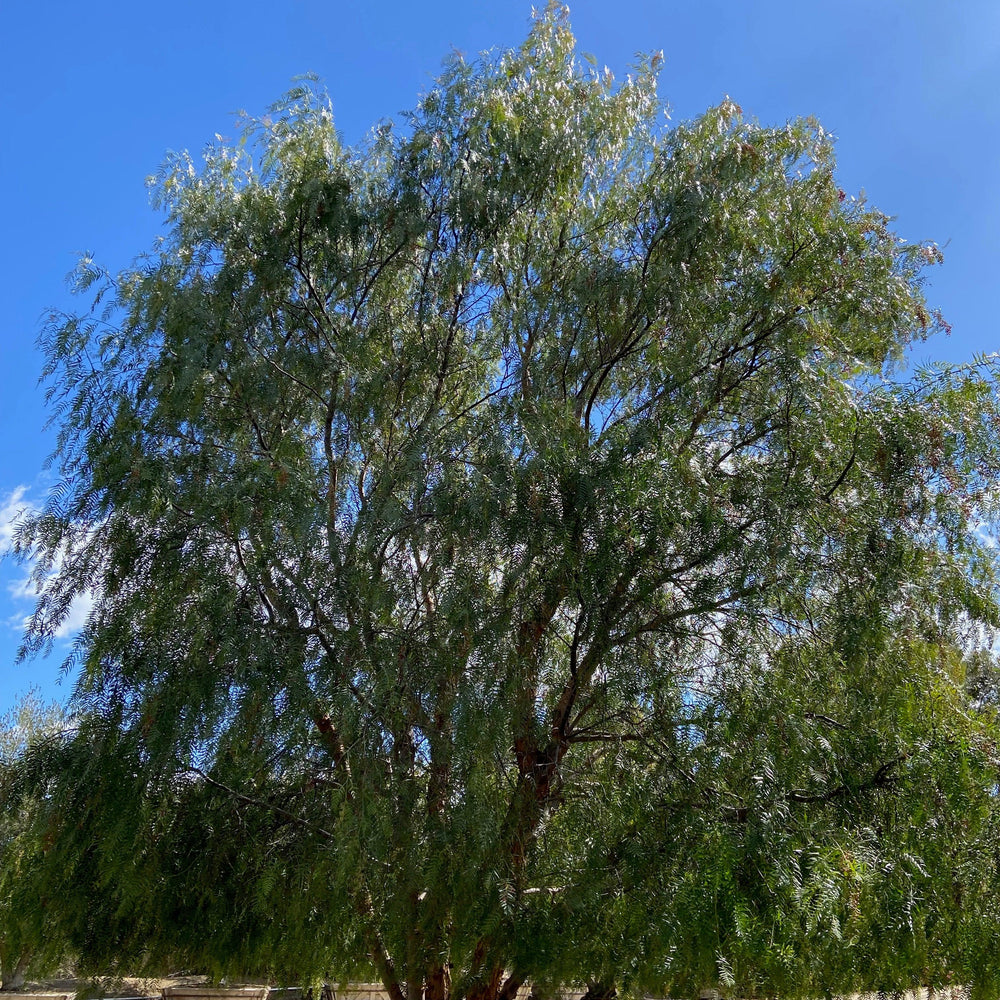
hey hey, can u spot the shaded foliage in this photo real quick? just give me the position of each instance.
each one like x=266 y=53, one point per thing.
x=32 y=939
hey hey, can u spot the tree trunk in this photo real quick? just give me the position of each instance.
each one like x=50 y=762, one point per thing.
x=438 y=986
x=599 y=991
x=487 y=988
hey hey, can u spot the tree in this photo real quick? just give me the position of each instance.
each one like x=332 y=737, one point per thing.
x=29 y=939
x=518 y=557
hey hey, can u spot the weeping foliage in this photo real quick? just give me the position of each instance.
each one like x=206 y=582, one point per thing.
x=517 y=558
x=32 y=944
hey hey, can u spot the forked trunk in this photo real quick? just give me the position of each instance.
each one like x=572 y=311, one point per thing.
x=437 y=986
x=488 y=988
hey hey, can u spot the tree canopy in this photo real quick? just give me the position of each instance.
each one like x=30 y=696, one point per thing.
x=520 y=555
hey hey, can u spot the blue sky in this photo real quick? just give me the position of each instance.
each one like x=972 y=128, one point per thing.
x=93 y=95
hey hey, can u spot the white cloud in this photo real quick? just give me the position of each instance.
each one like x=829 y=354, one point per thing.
x=22 y=588
x=76 y=618
x=12 y=510
x=986 y=532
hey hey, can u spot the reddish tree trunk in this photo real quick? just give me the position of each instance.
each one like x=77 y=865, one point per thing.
x=438 y=986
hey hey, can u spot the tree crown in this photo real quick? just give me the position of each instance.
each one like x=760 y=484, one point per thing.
x=520 y=526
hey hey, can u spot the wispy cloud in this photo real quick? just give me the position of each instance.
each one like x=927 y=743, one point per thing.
x=13 y=508
x=23 y=588
x=76 y=618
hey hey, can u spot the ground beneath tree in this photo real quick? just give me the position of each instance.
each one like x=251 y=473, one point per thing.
x=137 y=988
